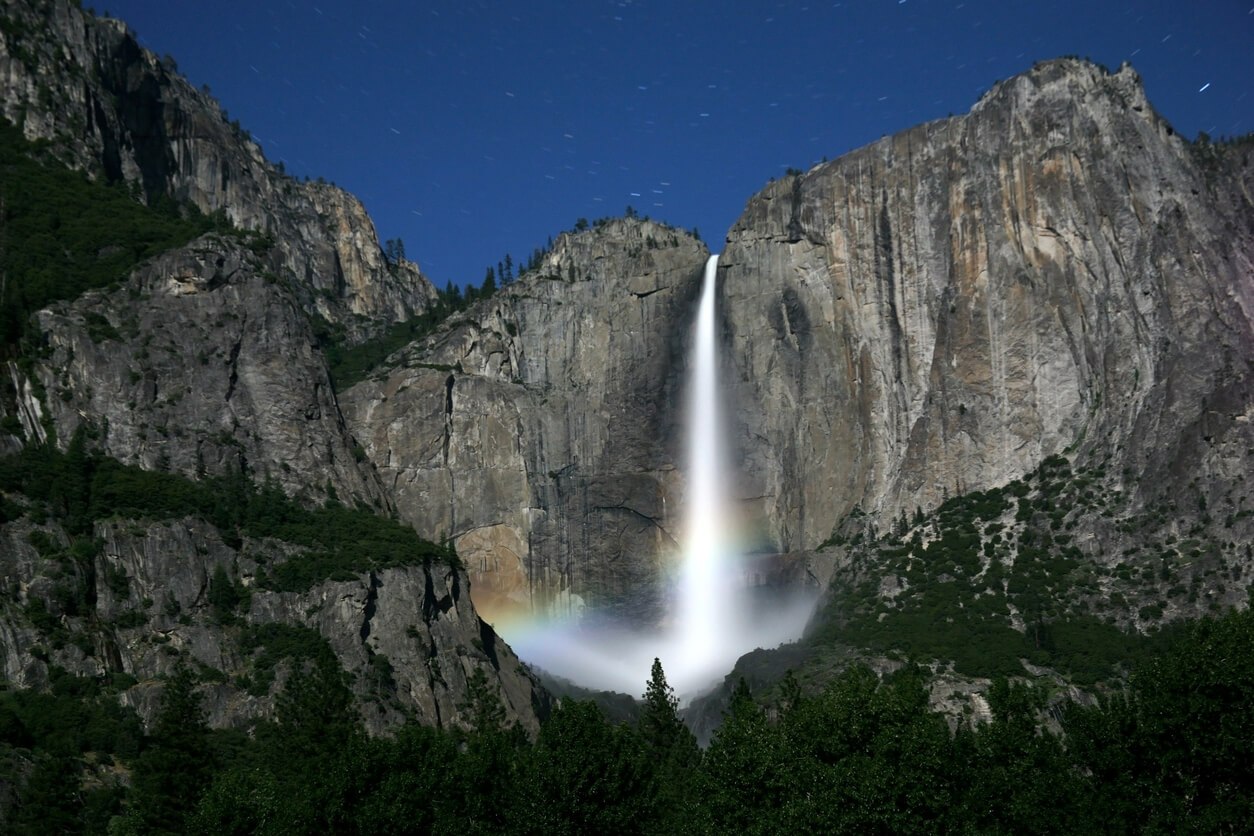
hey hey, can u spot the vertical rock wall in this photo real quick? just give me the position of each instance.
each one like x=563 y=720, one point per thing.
x=937 y=312
x=1055 y=271
x=539 y=432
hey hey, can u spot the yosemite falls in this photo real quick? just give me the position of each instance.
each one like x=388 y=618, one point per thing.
x=714 y=617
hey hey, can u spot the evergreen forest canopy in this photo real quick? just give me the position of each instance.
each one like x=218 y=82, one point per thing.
x=1173 y=753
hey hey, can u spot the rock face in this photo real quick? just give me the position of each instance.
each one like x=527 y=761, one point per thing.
x=404 y=635
x=540 y=431
x=202 y=363
x=937 y=312
x=115 y=110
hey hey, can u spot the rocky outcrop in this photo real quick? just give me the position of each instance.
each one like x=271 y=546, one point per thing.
x=539 y=430
x=202 y=362
x=937 y=312
x=408 y=636
x=117 y=111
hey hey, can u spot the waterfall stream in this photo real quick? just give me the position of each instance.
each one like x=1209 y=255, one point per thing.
x=714 y=617
x=705 y=593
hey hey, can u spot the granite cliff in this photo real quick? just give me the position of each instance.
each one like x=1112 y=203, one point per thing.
x=940 y=311
x=539 y=432
x=408 y=636
x=115 y=110
x=202 y=362
x=937 y=313
x=205 y=362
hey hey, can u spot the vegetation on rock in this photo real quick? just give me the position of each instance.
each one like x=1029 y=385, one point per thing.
x=62 y=234
x=994 y=578
x=80 y=487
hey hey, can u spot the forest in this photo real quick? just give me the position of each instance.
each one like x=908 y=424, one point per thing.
x=1173 y=752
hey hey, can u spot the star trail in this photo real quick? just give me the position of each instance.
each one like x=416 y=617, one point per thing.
x=475 y=129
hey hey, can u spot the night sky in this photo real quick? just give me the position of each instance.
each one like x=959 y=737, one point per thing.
x=474 y=129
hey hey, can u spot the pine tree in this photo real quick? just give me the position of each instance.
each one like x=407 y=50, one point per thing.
x=746 y=778
x=173 y=771
x=587 y=775
x=223 y=596
x=73 y=491
x=660 y=724
x=315 y=711
x=453 y=296
x=51 y=800
x=486 y=785
x=669 y=747
x=483 y=703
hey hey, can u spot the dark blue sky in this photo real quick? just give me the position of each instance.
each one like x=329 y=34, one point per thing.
x=473 y=128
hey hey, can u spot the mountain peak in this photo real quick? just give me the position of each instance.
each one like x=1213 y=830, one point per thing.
x=114 y=109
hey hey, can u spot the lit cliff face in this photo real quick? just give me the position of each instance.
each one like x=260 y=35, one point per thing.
x=932 y=314
x=707 y=616
x=205 y=361
x=935 y=313
x=539 y=429
x=212 y=368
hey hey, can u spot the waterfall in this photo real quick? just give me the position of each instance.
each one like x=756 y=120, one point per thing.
x=705 y=594
x=715 y=618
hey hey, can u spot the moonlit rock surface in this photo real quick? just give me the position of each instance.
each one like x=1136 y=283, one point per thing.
x=714 y=618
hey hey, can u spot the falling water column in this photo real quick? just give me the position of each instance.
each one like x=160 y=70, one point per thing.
x=702 y=622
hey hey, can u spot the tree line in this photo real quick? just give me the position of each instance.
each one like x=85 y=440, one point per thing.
x=1173 y=753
